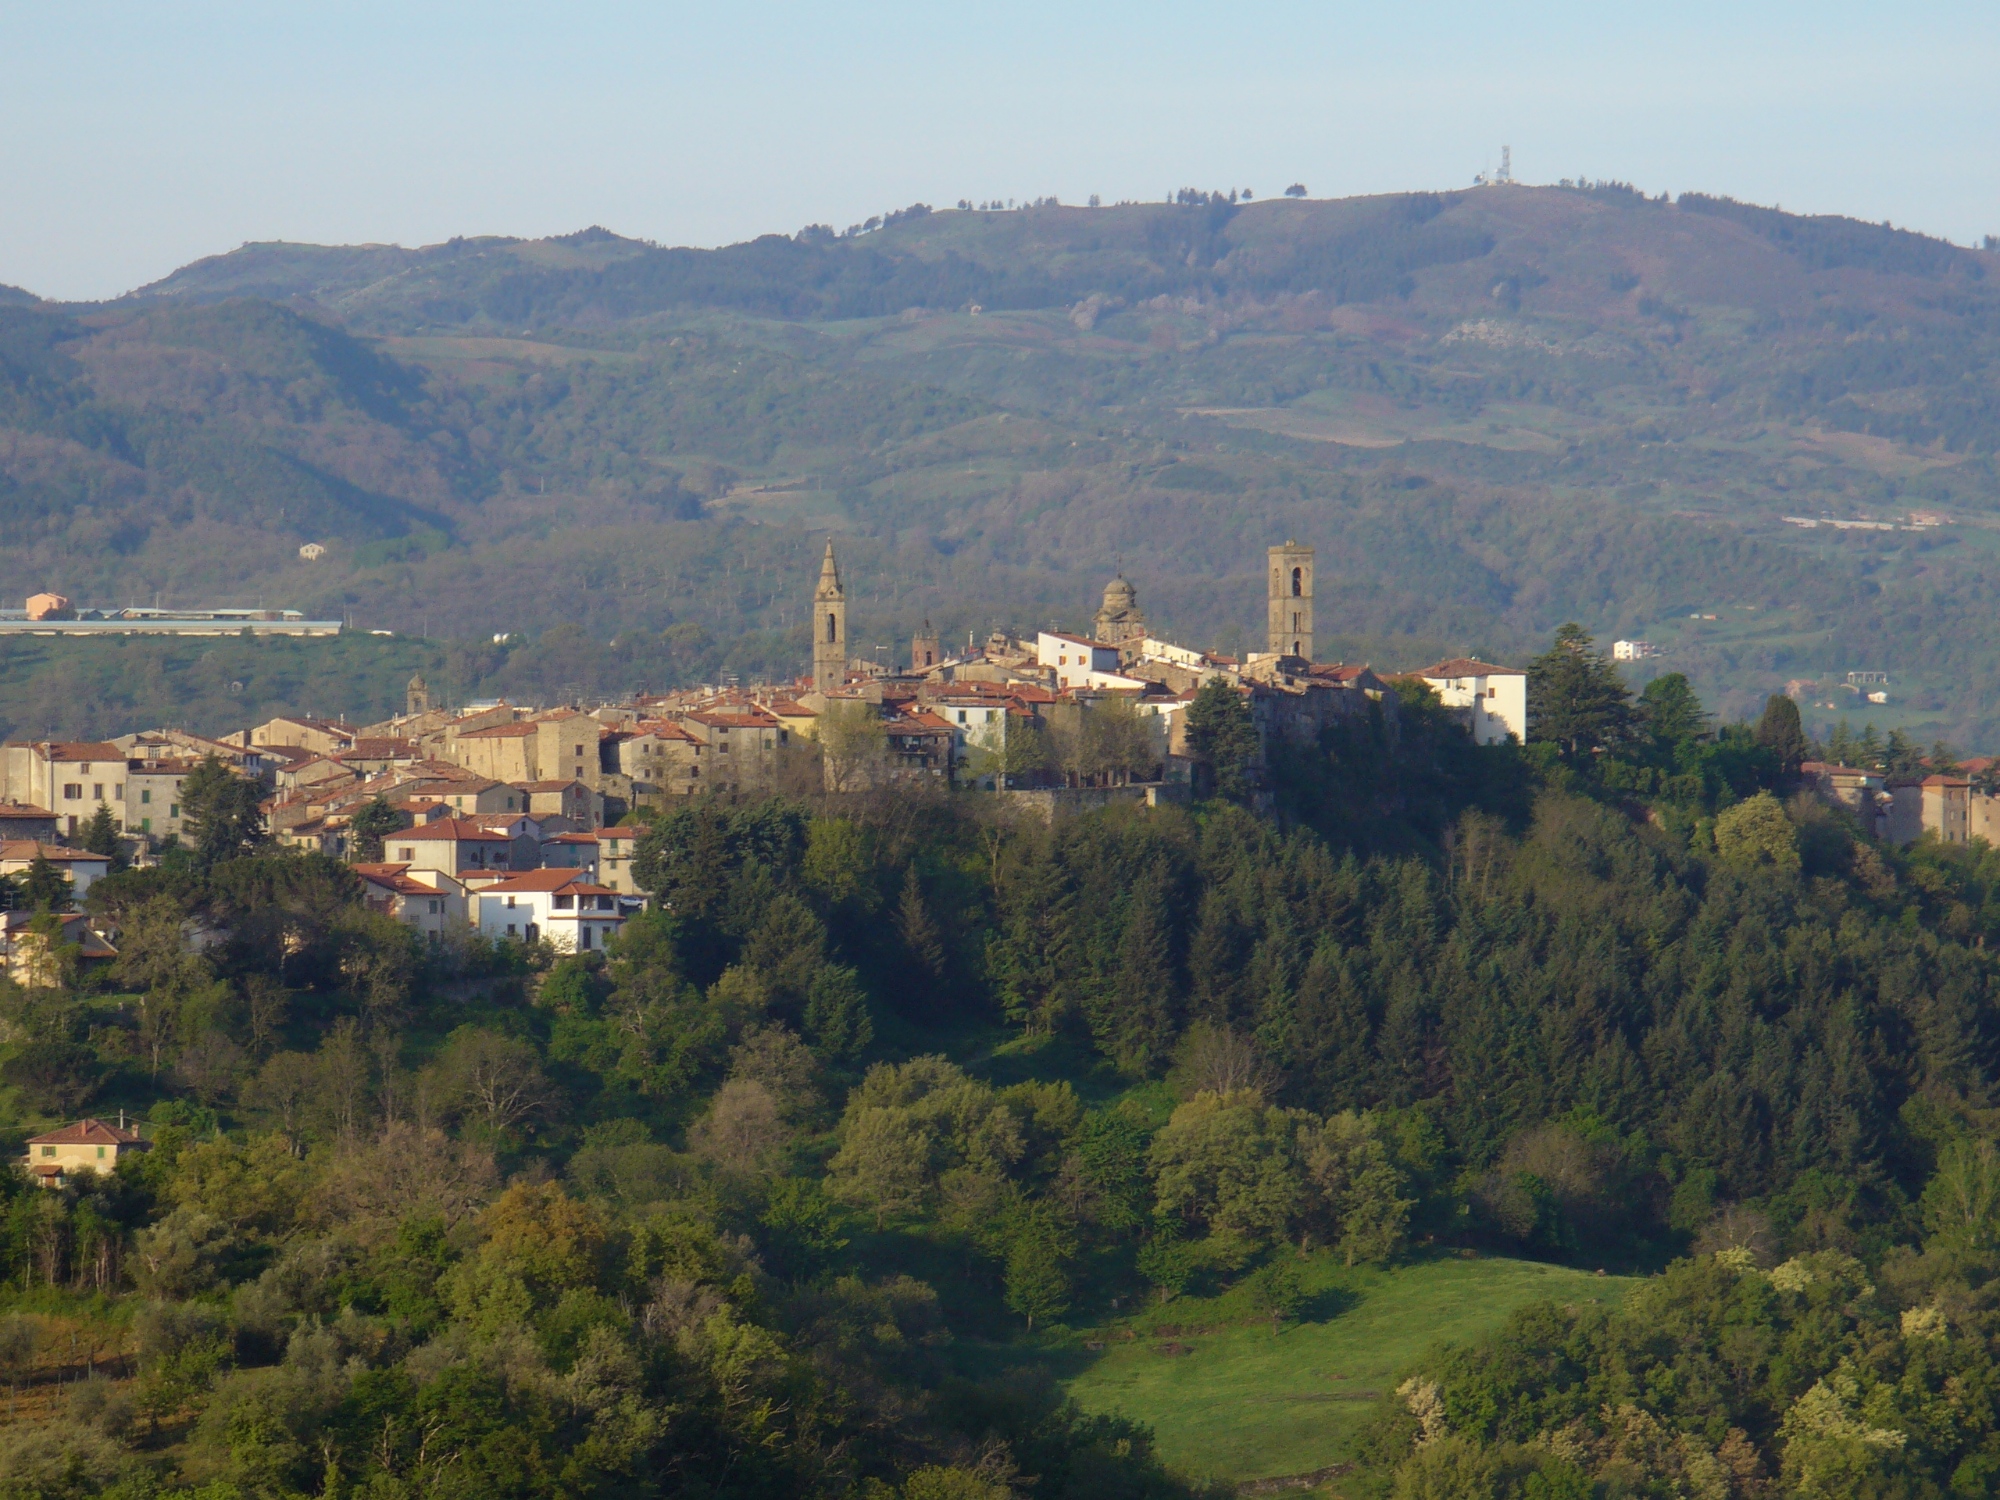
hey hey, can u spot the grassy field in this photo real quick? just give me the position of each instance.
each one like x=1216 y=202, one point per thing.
x=1242 y=1405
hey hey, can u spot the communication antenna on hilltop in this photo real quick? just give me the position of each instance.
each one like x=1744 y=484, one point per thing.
x=1502 y=178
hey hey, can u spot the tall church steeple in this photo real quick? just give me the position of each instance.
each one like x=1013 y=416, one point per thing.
x=829 y=621
x=1291 y=601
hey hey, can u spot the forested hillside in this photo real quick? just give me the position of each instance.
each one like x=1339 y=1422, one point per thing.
x=892 y=1109
x=1491 y=410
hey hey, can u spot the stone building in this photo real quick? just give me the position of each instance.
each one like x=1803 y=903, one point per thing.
x=1291 y=601
x=1120 y=619
x=925 y=650
x=829 y=619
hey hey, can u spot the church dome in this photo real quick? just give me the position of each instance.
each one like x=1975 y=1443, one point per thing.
x=1119 y=595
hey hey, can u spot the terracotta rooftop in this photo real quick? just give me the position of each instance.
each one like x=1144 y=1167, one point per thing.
x=84 y=750
x=379 y=749
x=89 y=1133
x=1466 y=666
x=458 y=830
x=394 y=878
x=755 y=719
x=548 y=880
x=520 y=731
x=54 y=853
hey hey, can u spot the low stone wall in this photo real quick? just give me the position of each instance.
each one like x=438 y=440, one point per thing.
x=1051 y=803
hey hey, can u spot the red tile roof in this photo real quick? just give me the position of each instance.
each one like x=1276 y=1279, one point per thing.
x=84 y=750
x=380 y=749
x=457 y=830
x=548 y=880
x=1466 y=666
x=520 y=731
x=89 y=1133
x=392 y=878
x=54 y=853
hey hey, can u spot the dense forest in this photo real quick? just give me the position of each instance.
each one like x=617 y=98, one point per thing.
x=1491 y=411
x=888 y=1103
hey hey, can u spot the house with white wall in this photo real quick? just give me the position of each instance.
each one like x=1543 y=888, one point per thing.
x=1495 y=699
x=565 y=908
x=432 y=905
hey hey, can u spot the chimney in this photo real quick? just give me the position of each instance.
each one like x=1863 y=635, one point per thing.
x=121 y=1119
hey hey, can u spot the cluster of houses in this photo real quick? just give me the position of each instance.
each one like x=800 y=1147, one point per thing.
x=1951 y=807
x=512 y=820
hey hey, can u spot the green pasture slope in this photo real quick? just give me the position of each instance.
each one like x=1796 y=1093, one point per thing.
x=1241 y=1405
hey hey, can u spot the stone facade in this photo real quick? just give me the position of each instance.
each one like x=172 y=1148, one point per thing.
x=1119 y=618
x=829 y=619
x=1291 y=601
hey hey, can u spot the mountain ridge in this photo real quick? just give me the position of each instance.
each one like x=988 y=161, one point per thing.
x=1571 y=402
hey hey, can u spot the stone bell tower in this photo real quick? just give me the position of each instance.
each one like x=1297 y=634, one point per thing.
x=1291 y=622
x=829 y=622
x=417 y=696
x=926 y=651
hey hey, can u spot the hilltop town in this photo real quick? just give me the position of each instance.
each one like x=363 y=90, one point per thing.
x=522 y=820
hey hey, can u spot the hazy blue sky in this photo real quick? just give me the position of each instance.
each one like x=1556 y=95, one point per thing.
x=135 y=137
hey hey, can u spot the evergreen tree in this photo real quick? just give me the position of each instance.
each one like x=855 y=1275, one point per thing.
x=1670 y=712
x=1576 y=699
x=372 y=823
x=1780 y=732
x=1222 y=737
x=1134 y=1018
x=1902 y=756
x=922 y=941
x=220 y=813
x=100 y=836
x=45 y=888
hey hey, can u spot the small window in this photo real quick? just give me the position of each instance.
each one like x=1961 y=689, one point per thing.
x=510 y=930
x=48 y=1151
x=72 y=791
x=565 y=903
x=145 y=825
x=173 y=809
x=100 y=1153
x=585 y=940
x=406 y=854
x=146 y=797
x=604 y=903
x=97 y=791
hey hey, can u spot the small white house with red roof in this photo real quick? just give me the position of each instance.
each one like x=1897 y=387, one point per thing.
x=84 y=869
x=433 y=905
x=1495 y=698
x=86 y=1146
x=565 y=908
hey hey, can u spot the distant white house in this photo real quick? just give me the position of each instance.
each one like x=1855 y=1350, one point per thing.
x=1633 y=650
x=571 y=911
x=1495 y=698
x=312 y=552
x=1079 y=663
